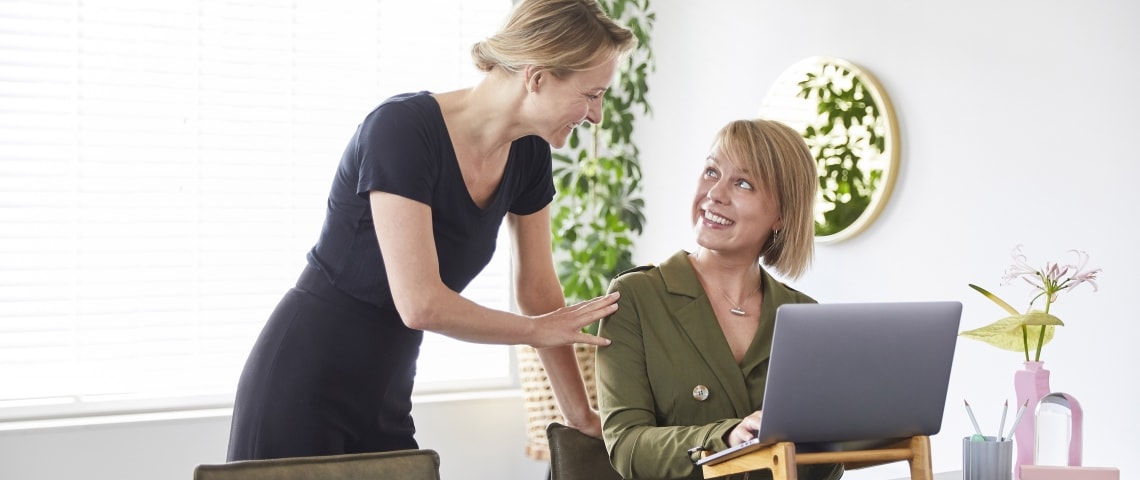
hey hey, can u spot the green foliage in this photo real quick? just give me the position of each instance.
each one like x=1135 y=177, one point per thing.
x=598 y=208
x=847 y=130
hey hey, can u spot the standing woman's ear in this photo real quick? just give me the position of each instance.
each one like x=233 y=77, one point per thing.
x=532 y=75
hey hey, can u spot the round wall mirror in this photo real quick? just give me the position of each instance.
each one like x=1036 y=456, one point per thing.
x=849 y=123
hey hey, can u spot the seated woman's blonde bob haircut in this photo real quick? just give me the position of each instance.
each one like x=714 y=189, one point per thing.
x=786 y=168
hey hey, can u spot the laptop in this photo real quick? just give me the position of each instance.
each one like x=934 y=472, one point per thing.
x=846 y=376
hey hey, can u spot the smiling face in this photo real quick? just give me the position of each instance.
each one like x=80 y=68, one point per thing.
x=731 y=210
x=559 y=104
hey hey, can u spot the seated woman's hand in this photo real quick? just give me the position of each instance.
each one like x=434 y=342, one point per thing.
x=745 y=430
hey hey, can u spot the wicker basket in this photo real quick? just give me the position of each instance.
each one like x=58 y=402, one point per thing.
x=538 y=397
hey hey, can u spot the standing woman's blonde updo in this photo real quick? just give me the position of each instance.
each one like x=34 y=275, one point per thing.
x=559 y=36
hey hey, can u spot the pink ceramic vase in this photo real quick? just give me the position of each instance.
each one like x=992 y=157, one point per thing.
x=1030 y=383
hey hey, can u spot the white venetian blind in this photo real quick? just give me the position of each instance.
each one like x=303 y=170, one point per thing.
x=163 y=171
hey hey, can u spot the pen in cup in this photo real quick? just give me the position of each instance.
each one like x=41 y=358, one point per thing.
x=978 y=437
x=1017 y=419
x=1001 y=426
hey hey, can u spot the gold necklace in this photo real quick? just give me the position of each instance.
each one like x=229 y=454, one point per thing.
x=737 y=309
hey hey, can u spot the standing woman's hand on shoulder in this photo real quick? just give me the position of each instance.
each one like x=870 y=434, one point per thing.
x=539 y=293
x=564 y=326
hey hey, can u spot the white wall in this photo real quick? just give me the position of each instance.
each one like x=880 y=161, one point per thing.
x=1017 y=122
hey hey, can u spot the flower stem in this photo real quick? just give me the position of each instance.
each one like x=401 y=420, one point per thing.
x=1025 y=340
x=1041 y=337
x=1040 y=341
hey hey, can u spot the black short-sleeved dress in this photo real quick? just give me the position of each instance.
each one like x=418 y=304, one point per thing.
x=333 y=368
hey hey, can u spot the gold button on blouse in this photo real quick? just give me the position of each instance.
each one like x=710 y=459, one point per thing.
x=701 y=393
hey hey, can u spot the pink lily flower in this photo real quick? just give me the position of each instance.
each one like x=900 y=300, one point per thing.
x=1012 y=332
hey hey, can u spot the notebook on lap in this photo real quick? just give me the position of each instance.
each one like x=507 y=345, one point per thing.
x=852 y=375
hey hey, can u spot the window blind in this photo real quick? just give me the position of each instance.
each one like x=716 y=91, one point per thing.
x=163 y=171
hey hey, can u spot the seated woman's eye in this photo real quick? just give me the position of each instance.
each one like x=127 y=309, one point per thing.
x=745 y=184
x=711 y=172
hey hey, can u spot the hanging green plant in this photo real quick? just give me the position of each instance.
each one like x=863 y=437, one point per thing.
x=598 y=209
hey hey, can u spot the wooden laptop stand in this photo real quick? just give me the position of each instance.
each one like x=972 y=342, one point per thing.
x=782 y=459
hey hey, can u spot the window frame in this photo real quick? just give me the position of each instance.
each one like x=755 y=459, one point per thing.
x=62 y=125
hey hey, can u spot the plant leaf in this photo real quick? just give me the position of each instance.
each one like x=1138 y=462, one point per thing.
x=1001 y=303
x=1006 y=333
x=1039 y=318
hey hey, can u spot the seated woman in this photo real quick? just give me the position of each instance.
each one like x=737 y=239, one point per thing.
x=692 y=336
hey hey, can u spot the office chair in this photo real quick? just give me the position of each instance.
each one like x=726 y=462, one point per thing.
x=398 y=465
x=577 y=456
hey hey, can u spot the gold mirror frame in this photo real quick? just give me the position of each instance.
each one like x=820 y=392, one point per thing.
x=845 y=116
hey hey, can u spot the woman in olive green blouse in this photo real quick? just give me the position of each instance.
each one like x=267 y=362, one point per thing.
x=692 y=336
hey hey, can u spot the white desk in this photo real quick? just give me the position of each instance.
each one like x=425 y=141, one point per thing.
x=954 y=475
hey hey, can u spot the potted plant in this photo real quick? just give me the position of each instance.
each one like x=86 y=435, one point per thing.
x=597 y=211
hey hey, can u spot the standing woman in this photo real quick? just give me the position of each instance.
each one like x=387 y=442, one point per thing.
x=690 y=345
x=413 y=214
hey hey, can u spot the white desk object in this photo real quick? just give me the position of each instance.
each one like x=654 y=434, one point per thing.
x=951 y=475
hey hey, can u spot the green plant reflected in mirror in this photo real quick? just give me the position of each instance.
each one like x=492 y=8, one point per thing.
x=849 y=123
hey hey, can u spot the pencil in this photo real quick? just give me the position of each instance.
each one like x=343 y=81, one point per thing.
x=973 y=420
x=1001 y=426
x=1017 y=419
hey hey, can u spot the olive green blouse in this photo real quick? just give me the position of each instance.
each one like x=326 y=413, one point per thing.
x=668 y=382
